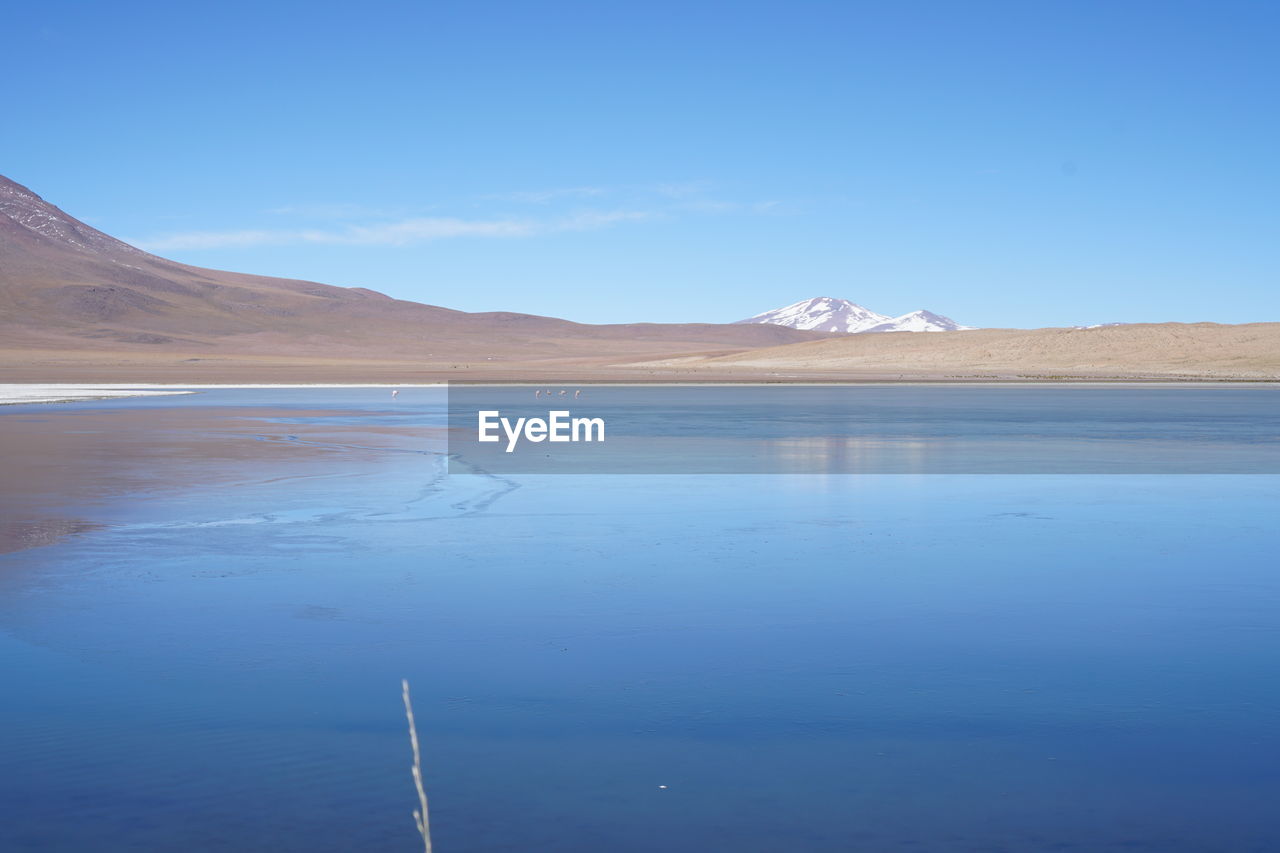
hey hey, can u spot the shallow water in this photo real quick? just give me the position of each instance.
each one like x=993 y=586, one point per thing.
x=808 y=662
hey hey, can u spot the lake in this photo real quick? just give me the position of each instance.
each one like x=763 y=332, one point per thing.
x=204 y=652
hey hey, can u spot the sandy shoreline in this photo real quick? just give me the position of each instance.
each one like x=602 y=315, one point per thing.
x=31 y=393
x=1154 y=353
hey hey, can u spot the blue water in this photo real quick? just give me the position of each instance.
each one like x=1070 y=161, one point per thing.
x=809 y=662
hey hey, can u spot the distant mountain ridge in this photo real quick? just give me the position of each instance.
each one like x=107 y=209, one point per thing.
x=830 y=314
x=66 y=286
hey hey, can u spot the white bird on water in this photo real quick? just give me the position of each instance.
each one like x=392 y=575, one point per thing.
x=395 y=392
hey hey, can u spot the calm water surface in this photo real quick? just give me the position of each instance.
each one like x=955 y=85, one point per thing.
x=811 y=662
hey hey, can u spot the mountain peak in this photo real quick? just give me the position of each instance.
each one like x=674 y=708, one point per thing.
x=28 y=216
x=832 y=314
x=821 y=314
x=920 y=321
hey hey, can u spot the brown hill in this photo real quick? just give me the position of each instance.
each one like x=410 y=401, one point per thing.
x=71 y=294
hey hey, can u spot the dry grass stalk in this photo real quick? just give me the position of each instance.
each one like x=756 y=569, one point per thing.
x=419 y=814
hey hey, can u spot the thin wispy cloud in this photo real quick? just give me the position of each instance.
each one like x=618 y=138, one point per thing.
x=717 y=206
x=402 y=233
x=681 y=189
x=676 y=191
x=358 y=225
x=333 y=211
x=547 y=196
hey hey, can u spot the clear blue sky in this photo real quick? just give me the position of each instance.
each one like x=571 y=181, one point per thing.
x=1005 y=163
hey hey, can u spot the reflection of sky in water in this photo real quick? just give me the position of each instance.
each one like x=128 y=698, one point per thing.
x=825 y=663
x=889 y=429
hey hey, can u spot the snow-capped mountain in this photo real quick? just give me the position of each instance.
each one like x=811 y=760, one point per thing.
x=828 y=314
x=822 y=314
x=919 y=321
